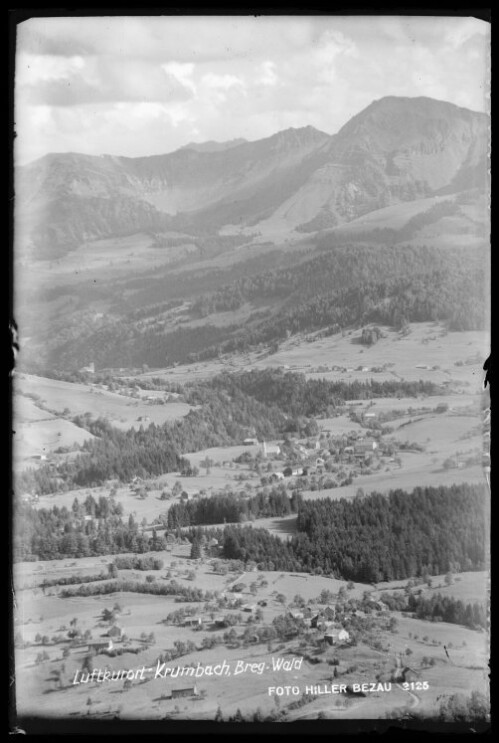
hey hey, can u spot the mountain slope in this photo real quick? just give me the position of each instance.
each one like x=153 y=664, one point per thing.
x=396 y=150
x=63 y=200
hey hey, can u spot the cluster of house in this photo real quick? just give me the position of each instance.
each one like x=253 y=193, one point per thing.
x=353 y=442
x=324 y=620
x=219 y=621
x=352 y=448
x=30 y=498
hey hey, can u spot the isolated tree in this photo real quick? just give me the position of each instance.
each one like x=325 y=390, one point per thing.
x=393 y=624
x=197 y=549
x=88 y=662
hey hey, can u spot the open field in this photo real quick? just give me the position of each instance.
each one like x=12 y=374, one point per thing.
x=467 y=587
x=407 y=478
x=41 y=420
x=115 y=257
x=426 y=345
x=455 y=401
x=444 y=434
x=395 y=216
x=121 y=411
x=43 y=437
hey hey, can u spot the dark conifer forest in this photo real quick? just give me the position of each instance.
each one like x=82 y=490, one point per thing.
x=367 y=539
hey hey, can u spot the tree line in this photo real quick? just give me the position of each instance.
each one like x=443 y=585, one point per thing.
x=438 y=608
x=230 y=507
x=296 y=395
x=374 y=538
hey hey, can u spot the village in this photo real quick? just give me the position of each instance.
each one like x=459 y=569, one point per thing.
x=344 y=632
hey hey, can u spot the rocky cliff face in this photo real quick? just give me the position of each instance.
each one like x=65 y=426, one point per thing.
x=397 y=149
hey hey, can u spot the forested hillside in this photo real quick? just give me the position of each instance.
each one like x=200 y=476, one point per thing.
x=377 y=538
x=157 y=449
x=347 y=286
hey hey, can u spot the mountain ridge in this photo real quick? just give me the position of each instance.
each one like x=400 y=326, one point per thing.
x=395 y=150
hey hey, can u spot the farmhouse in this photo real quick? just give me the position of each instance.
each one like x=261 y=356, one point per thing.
x=409 y=674
x=220 y=622
x=100 y=645
x=277 y=476
x=250 y=442
x=192 y=622
x=116 y=632
x=335 y=635
x=190 y=691
x=363 y=449
x=270 y=449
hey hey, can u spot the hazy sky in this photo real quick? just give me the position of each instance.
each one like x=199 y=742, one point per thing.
x=148 y=85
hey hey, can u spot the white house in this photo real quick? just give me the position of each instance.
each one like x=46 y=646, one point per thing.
x=270 y=449
x=335 y=635
x=192 y=622
x=277 y=475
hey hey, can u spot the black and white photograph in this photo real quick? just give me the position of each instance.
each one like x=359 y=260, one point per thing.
x=251 y=427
